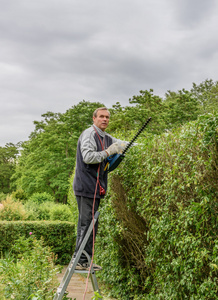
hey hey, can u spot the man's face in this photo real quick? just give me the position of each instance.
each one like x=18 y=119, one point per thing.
x=102 y=119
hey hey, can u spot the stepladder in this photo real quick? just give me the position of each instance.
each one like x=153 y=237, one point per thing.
x=71 y=268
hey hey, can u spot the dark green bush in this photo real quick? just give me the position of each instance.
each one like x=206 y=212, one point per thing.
x=49 y=211
x=61 y=212
x=163 y=229
x=57 y=235
x=39 y=211
x=71 y=200
x=19 y=195
x=41 y=197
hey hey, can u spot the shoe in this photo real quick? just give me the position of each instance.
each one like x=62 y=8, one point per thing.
x=82 y=266
x=85 y=266
x=96 y=267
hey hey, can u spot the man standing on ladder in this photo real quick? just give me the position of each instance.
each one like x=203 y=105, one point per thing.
x=90 y=181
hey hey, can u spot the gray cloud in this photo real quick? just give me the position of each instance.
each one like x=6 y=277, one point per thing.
x=54 y=54
x=193 y=13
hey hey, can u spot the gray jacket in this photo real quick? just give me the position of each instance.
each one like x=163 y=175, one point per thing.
x=89 y=155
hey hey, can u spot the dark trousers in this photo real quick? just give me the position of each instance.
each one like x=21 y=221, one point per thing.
x=85 y=218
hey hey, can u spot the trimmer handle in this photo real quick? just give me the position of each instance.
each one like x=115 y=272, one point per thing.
x=113 y=161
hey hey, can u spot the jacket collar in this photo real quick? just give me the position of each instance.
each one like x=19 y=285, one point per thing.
x=100 y=132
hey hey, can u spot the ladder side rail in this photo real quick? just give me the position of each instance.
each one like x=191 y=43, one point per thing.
x=70 y=269
x=92 y=274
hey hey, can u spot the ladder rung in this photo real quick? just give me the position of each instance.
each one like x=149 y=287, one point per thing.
x=83 y=272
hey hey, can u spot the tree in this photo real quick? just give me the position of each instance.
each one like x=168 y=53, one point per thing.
x=8 y=155
x=48 y=158
x=144 y=105
x=180 y=107
x=206 y=93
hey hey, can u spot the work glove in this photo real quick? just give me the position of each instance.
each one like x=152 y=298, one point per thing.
x=117 y=147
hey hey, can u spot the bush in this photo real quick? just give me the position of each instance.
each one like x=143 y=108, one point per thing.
x=29 y=271
x=48 y=211
x=12 y=210
x=61 y=212
x=3 y=196
x=164 y=200
x=71 y=199
x=39 y=211
x=41 y=197
x=19 y=195
x=59 y=236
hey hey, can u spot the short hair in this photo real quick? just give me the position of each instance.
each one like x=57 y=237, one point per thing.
x=100 y=108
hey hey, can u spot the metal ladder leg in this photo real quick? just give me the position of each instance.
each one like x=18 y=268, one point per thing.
x=92 y=274
x=72 y=265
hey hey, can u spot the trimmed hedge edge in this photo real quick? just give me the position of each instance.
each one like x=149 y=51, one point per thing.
x=58 y=235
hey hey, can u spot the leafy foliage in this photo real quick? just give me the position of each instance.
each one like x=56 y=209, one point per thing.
x=13 y=210
x=2 y=196
x=133 y=117
x=58 y=235
x=19 y=195
x=49 y=211
x=180 y=107
x=8 y=155
x=71 y=199
x=29 y=272
x=41 y=197
x=61 y=212
x=48 y=158
x=160 y=216
x=165 y=216
x=40 y=211
x=39 y=207
x=206 y=93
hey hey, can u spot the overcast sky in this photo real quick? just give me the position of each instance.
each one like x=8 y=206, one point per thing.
x=55 y=53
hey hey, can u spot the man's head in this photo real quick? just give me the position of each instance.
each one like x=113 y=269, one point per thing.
x=101 y=118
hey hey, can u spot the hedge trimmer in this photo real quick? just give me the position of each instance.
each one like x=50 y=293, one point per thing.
x=114 y=160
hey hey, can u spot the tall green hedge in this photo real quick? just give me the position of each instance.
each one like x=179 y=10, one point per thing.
x=159 y=223
x=60 y=236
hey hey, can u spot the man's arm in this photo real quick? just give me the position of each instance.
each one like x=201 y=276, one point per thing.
x=89 y=149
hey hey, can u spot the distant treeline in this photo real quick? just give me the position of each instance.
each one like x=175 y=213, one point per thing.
x=46 y=161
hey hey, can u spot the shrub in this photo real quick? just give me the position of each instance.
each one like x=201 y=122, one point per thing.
x=19 y=194
x=3 y=196
x=71 y=199
x=39 y=211
x=164 y=200
x=48 y=211
x=12 y=210
x=61 y=212
x=41 y=197
x=59 y=236
x=29 y=271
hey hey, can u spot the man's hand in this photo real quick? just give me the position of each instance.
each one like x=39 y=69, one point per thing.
x=117 y=147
